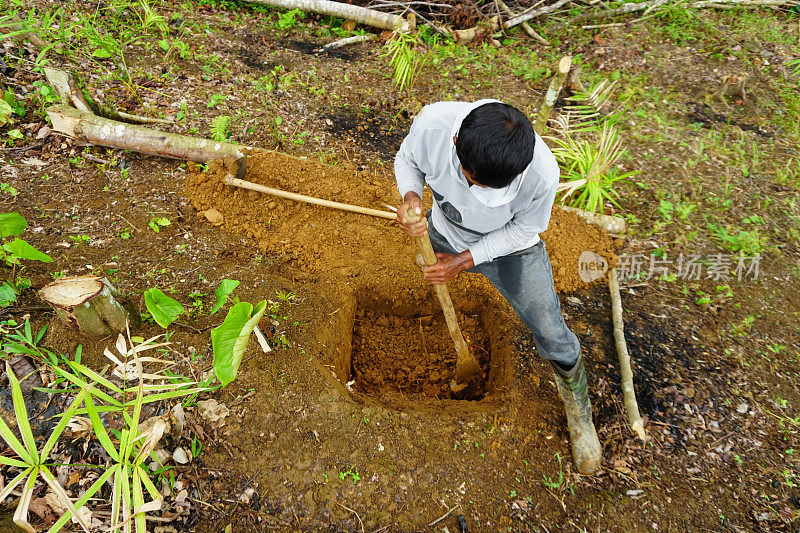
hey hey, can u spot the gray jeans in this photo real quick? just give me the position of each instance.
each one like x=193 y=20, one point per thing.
x=525 y=279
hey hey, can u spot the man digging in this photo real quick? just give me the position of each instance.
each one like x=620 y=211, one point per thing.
x=493 y=182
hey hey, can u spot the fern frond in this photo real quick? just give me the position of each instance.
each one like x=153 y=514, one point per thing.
x=219 y=127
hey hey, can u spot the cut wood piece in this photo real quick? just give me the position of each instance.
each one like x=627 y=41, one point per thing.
x=87 y=304
x=625 y=372
x=370 y=17
x=469 y=34
x=101 y=131
x=552 y=93
x=612 y=225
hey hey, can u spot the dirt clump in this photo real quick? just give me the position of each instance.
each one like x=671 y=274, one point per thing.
x=412 y=354
x=331 y=243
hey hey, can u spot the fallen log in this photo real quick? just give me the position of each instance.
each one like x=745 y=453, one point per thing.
x=92 y=129
x=87 y=304
x=362 y=15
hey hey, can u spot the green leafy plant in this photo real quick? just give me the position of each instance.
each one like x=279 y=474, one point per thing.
x=31 y=461
x=156 y=223
x=5 y=113
x=289 y=19
x=404 y=56
x=226 y=287
x=161 y=307
x=215 y=100
x=13 y=136
x=11 y=225
x=220 y=127
x=749 y=242
x=229 y=339
x=352 y=473
x=131 y=480
x=553 y=483
x=589 y=167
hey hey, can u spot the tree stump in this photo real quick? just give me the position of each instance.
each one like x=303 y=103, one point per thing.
x=87 y=304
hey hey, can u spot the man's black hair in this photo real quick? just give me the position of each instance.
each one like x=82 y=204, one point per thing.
x=495 y=144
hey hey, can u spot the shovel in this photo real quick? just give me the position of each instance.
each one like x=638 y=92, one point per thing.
x=467 y=367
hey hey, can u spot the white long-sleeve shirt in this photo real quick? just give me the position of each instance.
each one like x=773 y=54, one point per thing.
x=490 y=223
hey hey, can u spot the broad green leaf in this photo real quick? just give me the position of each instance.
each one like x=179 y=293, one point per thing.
x=101 y=53
x=12 y=224
x=226 y=287
x=7 y=294
x=5 y=112
x=20 y=249
x=163 y=309
x=22 y=415
x=229 y=340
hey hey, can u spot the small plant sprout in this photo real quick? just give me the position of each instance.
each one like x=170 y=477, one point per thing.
x=156 y=223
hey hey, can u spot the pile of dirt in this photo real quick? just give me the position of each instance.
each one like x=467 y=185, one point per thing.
x=328 y=242
x=412 y=354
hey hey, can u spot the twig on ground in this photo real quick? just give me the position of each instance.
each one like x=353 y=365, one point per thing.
x=445 y=515
x=346 y=41
x=352 y=511
x=22 y=148
x=525 y=26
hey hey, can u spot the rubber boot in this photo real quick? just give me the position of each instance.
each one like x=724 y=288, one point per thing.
x=572 y=386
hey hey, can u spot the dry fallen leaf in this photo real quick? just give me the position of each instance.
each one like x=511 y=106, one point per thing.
x=213 y=411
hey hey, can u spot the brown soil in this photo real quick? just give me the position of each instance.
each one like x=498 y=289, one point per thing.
x=411 y=354
x=328 y=242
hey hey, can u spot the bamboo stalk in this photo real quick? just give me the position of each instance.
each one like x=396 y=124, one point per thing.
x=625 y=372
x=552 y=94
x=236 y=182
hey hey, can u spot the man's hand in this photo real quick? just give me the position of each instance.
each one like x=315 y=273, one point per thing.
x=417 y=224
x=448 y=267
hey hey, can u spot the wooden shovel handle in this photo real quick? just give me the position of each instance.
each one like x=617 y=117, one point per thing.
x=230 y=179
x=429 y=256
